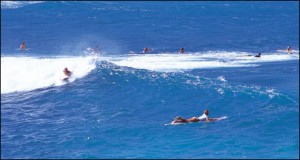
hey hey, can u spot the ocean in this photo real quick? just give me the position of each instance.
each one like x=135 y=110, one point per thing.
x=119 y=102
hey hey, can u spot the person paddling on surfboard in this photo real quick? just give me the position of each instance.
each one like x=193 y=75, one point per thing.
x=258 y=55
x=203 y=117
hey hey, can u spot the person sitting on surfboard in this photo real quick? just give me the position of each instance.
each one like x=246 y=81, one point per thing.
x=67 y=73
x=203 y=117
x=146 y=50
x=289 y=50
x=23 y=46
x=181 y=50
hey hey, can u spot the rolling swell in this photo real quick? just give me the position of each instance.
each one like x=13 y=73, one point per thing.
x=93 y=110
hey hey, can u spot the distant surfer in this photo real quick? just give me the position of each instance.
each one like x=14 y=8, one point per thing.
x=96 y=50
x=67 y=73
x=202 y=118
x=181 y=50
x=289 y=50
x=258 y=55
x=249 y=55
x=23 y=46
x=146 y=50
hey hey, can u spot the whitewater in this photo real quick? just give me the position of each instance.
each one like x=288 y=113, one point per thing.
x=47 y=72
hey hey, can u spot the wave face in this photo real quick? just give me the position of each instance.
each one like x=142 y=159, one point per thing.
x=125 y=108
x=118 y=100
x=28 y=73
x=47 y=72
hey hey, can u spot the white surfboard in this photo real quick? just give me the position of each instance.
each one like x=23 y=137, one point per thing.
x=285 y=51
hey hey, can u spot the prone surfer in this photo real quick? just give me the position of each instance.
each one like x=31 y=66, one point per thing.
x=258 y=55
x=203 y=117
x=249 y=55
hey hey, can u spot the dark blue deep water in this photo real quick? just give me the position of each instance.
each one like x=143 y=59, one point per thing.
x=119 y=103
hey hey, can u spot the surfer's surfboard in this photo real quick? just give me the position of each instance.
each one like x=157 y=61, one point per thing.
x=26 y=49
x=65 y=78
x=285 y=51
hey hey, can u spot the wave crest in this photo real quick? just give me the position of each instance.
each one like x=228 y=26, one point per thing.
x=28 y=73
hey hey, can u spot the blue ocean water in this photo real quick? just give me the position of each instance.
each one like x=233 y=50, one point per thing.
x=119 y=102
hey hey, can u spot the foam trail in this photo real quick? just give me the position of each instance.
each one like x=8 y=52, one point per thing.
x=28 y=73
x=213 y=59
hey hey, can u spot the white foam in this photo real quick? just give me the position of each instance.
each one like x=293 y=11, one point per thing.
x=221 y=78
x=17 y=4
x=178 y=62
x=28 y=73
x=220 y=90
x=271 y=93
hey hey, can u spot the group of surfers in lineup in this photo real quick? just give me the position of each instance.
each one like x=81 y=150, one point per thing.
x=177 y=120
x=181 y=50
x=68 y=73
x=97 y=50
x=288 y=50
